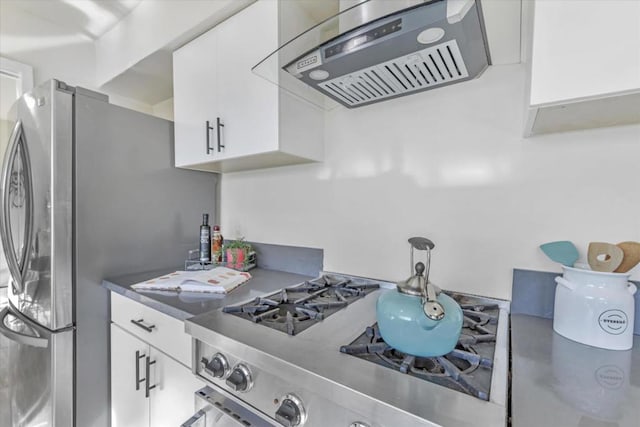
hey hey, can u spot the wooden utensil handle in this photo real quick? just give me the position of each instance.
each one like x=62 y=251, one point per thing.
x=604 y=257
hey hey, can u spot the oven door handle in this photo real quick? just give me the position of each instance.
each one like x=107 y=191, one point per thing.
x=213 y=406
x=211 y=411
x=194 y=419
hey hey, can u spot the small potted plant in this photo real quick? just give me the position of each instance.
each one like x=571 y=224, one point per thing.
x=237 y=253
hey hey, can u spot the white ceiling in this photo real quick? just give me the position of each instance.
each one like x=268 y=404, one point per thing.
x=33 y=29
x=91 y=18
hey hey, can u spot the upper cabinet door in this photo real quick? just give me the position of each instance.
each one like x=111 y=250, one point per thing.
x=586 y=51
x=248 y=104
x=252 y=123
x=195 y=69
x=584 y=64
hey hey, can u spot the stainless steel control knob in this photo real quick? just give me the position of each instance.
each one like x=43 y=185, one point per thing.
x=218 y=366
x=291 y=412
x=240 y=378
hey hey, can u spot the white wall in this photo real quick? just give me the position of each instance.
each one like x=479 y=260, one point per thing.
x=52 y=51
x=55 y=52
x=449 y=164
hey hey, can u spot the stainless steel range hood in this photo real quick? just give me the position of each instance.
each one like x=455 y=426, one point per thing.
x=376 y=50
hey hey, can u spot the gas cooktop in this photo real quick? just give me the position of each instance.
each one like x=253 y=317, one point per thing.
x=467 y=368
x=330 y=364
x=296 y=308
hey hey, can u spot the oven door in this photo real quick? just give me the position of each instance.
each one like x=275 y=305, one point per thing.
x=215 y=409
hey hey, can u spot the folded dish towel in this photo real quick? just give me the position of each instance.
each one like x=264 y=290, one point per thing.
x=218 y=280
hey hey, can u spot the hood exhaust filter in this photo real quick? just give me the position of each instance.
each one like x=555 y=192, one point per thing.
x=431 y=44
x=418 y=71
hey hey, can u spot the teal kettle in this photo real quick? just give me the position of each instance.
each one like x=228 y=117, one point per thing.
x=418 y=319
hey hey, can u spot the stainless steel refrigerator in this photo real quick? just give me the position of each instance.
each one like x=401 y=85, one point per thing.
x=88 y=190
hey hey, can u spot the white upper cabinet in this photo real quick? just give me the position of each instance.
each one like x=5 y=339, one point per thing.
x=584 y=65
x=226 y=117
x=195 y=100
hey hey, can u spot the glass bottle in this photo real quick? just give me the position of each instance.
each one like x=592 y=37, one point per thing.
x=216 y=245
x=205 y=239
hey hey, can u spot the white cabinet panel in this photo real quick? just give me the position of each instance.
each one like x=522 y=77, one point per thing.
x=149 y=388
x=213 y=80
x=156 y=328
x=195 y=100
x=248 y=104
x=172 y=399
x=584 y=64
x=129 y=407
x=584 y=49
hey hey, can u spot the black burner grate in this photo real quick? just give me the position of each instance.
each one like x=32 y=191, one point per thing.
x=467 y=368
x=294 y=309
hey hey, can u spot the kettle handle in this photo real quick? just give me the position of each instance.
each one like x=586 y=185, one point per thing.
x=564 y=282
x=632 y=288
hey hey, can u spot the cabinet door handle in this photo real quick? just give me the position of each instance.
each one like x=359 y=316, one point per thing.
x=139 y=324
x=219 y=126
x=138 y=380
x=208 y=130
x=147 y=386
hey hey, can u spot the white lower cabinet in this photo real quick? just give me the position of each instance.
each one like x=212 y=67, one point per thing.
x=129 y=407
x=172 y=401
x=148 y=387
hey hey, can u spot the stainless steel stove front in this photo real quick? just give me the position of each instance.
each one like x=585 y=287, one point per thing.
x=277 y=391
x=305 y=379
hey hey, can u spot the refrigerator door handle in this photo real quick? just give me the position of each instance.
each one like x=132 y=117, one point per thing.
x=5 y=233
x=18 y=269
x=30 y=340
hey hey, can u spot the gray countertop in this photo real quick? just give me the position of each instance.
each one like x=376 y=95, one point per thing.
x=559 y=382
x=184 y=305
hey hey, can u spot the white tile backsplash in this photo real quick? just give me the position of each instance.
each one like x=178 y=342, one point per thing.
x=449 y=164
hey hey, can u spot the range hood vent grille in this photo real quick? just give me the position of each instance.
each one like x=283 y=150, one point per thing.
x=427 y=68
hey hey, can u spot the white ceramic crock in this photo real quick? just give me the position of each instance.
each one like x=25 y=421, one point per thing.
x=595 y=308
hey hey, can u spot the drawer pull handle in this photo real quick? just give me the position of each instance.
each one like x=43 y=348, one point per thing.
x=138 y=380
x=147 y=386
x=140 y=325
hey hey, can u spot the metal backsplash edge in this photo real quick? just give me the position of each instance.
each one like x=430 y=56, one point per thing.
x=292 y=259
x=533 y=293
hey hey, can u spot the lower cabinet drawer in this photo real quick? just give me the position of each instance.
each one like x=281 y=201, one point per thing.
x=158 y=329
